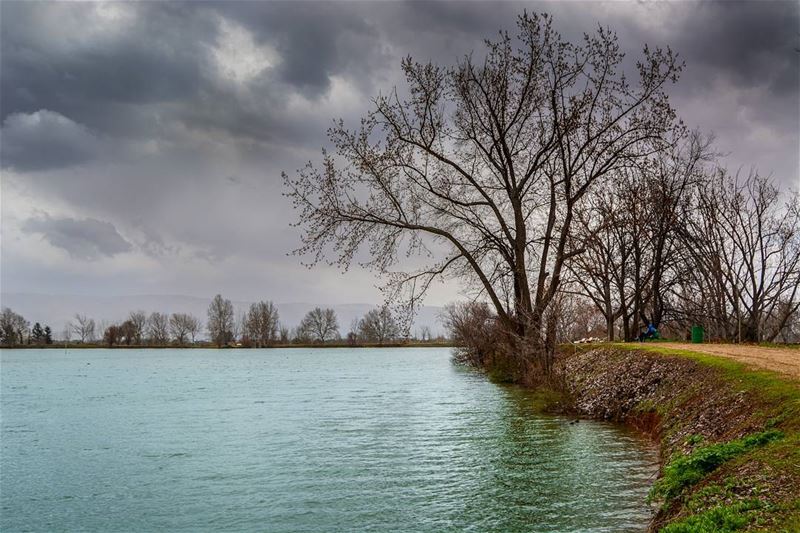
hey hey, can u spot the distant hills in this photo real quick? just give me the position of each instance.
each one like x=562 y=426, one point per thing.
x=57 y=310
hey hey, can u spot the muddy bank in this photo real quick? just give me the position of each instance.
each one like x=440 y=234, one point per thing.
x=730 y=451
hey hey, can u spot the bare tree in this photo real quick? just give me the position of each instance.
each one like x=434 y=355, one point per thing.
x=128 y=333
x=220 y=321
x=157 y=328
x=378 y=325
x=194 y=326
x=319 y=325
x=473 y=328
x=630 y=232
x=261 y=324
x=13 y=328
x=425 y=333
x=488 y=160
x=111 y=335
x=138 y=320
x=181 y=326
x=84 y=328
x=239 y=322
x=352 y=334
x=745 y=244
x=299 y=335
x=285 y=334
x=577 y=318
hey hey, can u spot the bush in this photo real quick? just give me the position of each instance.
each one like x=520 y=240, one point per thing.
x=473 y=328
x=482 y=342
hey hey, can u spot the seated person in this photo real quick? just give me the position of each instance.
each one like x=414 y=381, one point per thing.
x=650 y=333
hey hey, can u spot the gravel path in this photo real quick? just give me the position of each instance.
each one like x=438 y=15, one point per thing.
x=783 y=360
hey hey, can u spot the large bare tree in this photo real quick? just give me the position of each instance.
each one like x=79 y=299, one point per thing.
x=183 y=327
x=84 y=328
x=261 y=324
x=481 y=166
x=158 y=328
x=138 y=320
x=378 y=325
x=319 y=325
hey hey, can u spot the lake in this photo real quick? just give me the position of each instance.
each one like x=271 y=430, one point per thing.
x=300 y=440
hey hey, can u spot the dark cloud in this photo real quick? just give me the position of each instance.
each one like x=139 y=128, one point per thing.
x=84 y=239
x=172 y=121
x=45 y=140
x=155 y=64
x=72 y=58
x=753 y=44
x=316 y=40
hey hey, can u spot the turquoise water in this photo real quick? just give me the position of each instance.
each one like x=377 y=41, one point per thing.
x=299 y=440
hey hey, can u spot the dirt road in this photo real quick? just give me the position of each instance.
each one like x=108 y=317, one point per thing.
x=783 y=360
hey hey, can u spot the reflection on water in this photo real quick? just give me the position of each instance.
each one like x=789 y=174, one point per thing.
x=300 y=440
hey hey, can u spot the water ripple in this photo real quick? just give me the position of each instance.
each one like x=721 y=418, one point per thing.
x=300 y=440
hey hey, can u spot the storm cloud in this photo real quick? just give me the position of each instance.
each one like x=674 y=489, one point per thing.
x=85 y=239
x=156 y=132
x=45 y=139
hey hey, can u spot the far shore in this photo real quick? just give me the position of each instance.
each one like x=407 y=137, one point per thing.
x=207 y=346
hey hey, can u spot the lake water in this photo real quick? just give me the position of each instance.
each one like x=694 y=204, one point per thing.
x=299 y=440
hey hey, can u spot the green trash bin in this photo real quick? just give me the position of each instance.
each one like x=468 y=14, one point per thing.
x=697 y=334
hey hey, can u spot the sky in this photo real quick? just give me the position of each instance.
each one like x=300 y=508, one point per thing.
x=142 y=144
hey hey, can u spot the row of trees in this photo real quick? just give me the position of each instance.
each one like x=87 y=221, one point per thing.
x=155 y=329
x=677 y=242
x=258 y=327
x=548 y=176
x=15 y=330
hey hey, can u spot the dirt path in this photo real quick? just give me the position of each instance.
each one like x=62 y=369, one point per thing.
x=783 y=360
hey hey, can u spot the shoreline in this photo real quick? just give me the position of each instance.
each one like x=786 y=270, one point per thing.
x=94 y=346
x=728 y=435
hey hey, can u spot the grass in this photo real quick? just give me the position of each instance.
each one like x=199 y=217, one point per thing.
x=548 y=400
x=719 y=519
x=695 y=439
x=687 y=470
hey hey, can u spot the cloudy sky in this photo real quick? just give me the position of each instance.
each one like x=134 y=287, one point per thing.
x=142 y=143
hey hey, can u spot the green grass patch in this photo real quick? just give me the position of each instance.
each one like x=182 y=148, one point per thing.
x=780 y=456
x=694 y=439
x=686 y=470
x=720 y=519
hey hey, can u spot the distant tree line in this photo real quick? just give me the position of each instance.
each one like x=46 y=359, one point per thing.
x=15 y=330
x=258 y=327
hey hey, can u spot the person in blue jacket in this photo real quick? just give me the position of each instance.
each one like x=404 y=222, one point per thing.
x=649 y=333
